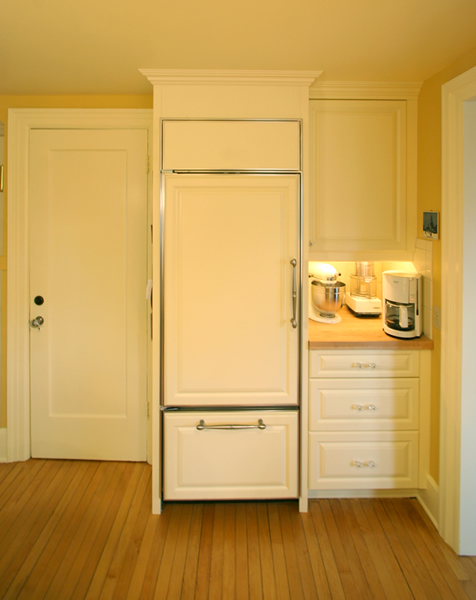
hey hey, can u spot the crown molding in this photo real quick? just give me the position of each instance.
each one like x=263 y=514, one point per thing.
x=226 y=77
x=365 y=90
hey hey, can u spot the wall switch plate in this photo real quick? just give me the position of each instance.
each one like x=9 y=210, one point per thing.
x=437 y=317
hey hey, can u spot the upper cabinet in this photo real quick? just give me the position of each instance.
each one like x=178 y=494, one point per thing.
x=362 y=179
x=231 y=145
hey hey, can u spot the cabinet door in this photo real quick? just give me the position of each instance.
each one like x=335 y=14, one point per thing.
x=223 y=463
x=231 y=145
x=228 y=290
x=358 y=156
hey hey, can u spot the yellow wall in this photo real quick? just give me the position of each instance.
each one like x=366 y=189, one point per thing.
x=7 y=102
x=429 y=198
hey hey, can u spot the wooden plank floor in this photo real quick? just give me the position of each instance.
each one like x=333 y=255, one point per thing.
x=85 y=530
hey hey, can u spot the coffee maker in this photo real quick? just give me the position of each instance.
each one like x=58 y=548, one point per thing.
x=402 y=304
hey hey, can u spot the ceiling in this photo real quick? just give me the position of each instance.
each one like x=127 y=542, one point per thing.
x=97 y=46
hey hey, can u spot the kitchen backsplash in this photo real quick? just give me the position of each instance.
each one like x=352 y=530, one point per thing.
x=422 y=263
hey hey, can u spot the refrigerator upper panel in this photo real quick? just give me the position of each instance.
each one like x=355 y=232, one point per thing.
x=239 y=145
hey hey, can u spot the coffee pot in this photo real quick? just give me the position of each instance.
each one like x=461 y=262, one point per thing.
x=402 y=304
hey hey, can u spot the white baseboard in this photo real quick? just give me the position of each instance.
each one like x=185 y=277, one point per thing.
x=3 y=444
x=393 y=493
x=430 y=499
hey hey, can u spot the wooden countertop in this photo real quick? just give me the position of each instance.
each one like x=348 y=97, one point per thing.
x=359 y=333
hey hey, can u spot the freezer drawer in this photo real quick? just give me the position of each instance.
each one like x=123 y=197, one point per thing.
x=256 y=459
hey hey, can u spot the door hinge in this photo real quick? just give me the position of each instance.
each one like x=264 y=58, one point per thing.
x=147 y=165
x=147 y=410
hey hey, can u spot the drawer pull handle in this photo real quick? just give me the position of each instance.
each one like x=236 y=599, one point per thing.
x=359 y=365
x=366 y=463
x=201 y=426
x=359 y=407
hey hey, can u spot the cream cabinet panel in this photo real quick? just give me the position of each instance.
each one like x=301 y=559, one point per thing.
x=364 y=364
x=358 y=168
x=231 y=145
x=249 y=463
x=369 y=460
x=358 y=404
x=228 y=290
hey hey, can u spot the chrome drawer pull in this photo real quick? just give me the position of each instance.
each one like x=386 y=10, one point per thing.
x=293 y=320
x=201 y=426
x=359 y=365
x=359 y=407
x=366 y=463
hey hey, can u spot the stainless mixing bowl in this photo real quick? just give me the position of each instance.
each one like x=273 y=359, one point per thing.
x=328 y=298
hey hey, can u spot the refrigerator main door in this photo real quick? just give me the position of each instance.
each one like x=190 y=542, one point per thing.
x=229 y=245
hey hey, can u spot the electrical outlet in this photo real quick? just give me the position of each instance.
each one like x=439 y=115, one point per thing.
x=437 y=317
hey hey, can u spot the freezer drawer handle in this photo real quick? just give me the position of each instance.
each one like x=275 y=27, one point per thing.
x=293 y=320
x=201 y=426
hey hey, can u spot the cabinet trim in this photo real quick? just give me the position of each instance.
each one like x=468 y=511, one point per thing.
x=364 y=90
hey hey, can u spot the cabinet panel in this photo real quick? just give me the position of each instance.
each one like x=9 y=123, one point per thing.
x=231 y=145
x=370 y=404
x=364 y=364
x=363 y=460
x=230 y=463
x=228 y=283
x=358 y=168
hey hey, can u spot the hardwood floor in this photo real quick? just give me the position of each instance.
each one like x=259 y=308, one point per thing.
x=85 y=530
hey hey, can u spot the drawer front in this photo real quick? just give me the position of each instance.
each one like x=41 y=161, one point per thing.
x=231 y=145
x=214 y=464
x=364 y=364
x=363 y=460
x=363 y=404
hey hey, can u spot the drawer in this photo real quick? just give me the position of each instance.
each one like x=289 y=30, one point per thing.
x=363 y=404
x=231 y=145
x=229 y=464
x=363 y=460
x=364 y=364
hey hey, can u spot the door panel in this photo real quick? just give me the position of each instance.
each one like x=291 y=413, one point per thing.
x=231 y=145
x=88 y=260
x=229 y=242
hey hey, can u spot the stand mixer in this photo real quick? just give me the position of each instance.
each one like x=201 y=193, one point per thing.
x=362 y=300
x=326 y=294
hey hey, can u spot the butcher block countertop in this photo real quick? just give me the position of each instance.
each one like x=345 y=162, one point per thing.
x=364 y=334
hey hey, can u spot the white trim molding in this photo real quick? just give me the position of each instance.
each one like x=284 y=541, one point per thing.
x=225 y=77
x=429 y=498
x=454 y=94
x=20 y=123
x=3 y=445
x=364 y=90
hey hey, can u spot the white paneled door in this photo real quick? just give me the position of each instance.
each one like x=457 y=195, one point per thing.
x=230 y=245
x=88 y=312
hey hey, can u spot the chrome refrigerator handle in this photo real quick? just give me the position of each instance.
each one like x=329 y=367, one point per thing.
x=293 y=320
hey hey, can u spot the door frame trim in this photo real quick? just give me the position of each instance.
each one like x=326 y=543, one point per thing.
x=453 y=94
x=20 y=123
